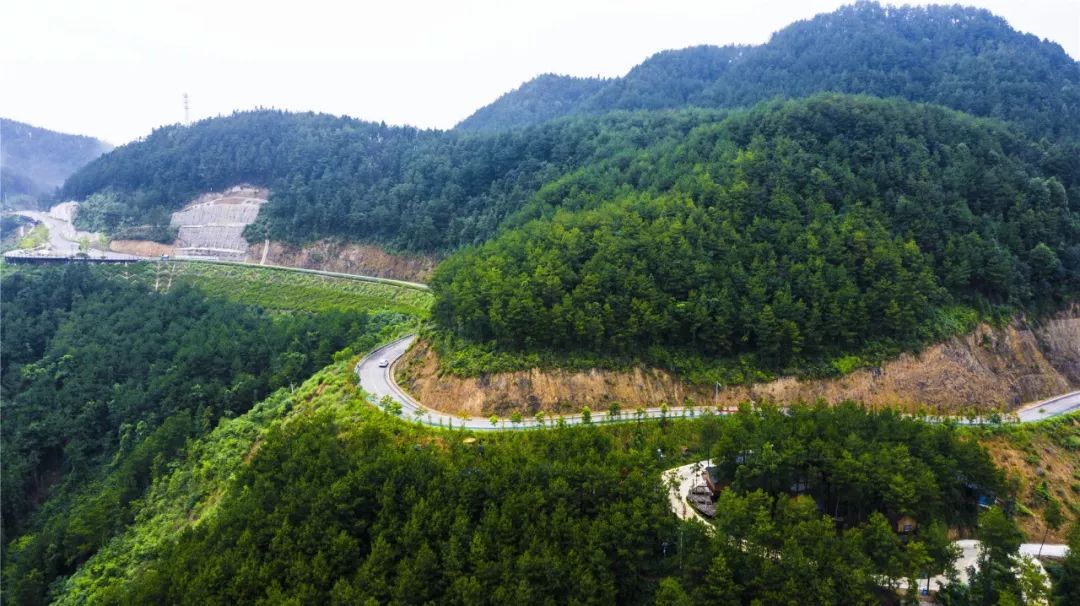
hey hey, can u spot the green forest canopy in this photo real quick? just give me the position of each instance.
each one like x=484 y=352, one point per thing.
x=373 y=511
x=317 y=496
x=960 y=57
x=104 y=380
x=795 y=230
x=345 y=178
x=436 y=191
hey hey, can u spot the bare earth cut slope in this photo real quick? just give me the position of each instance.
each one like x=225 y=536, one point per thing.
x=364 y=259
x=212 y=226
x=990 y=368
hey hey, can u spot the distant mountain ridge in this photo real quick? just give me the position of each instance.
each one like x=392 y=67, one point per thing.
x=435 y=191
x=35 y=161
x=963 y=58
x=543 y=98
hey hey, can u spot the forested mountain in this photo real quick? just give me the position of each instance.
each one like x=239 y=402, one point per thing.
x=571 y=516
x=865 y=183
x=789 y=232
x=344 y=178
x=35 y=161
x=538 y=100
x=963 y=58
x=431 y=191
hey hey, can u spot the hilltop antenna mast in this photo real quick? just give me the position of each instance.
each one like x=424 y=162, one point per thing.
x=187 y=119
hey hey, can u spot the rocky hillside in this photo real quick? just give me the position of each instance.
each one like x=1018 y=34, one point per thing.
x=992 y=367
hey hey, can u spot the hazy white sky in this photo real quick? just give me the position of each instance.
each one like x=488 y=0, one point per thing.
x=115 y=69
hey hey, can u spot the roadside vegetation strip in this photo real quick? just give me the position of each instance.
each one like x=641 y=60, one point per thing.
x=288 y=291
x=37 y=236
x=318 y=272
x=680 y=480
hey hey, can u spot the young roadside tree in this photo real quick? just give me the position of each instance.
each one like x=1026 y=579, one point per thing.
x=1066 y=590
x=1054 y=518
x=586 y=415
x=1032 y=580
x=515 y=418
x=613 y=411
x=390 y=406
x=942 y=551
x=995 y=579
x=494 y=421
x=884 y=549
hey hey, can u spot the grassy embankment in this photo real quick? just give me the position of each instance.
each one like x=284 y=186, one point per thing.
x=36 y=237
x=1042 y=461
x=289 y=291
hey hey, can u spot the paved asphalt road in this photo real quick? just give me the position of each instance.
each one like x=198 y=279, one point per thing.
x=64 y=238
x=1053 y=407
x=378 y=382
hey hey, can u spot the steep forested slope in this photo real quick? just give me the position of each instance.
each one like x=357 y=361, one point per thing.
x=35 y=161
x=103 y=382
x=793 y=231
x=963 y=58
x=335 y=502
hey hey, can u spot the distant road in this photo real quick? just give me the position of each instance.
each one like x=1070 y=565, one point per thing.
x=1053 y=407
x=64 y=239
x=317 y=272
x=379 y=382
x=64 y=242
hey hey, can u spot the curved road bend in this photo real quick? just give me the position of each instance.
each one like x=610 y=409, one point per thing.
x=379 y=382
x=64 y=239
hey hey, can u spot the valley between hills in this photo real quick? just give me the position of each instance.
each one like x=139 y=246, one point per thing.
x=795 y=322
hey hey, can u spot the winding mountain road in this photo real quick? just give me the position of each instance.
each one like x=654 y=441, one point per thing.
x=379 y=382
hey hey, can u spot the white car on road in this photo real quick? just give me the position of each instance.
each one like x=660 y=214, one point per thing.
x=383 y=363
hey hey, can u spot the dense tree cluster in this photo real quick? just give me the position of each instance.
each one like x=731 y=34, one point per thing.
x=963 y=58
x=102 y=376
x=795 y=230
x=436 y=191
x=857 y=465
x=328 y=514
x=344 y=178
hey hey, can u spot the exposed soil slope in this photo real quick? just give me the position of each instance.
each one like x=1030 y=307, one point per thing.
x=362 y=259
x=990 y=368
x=1044 y=460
